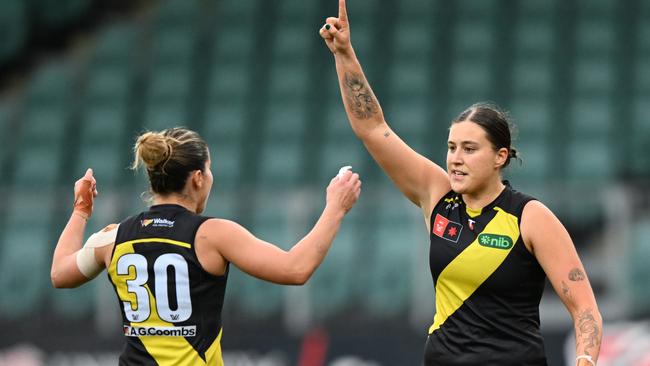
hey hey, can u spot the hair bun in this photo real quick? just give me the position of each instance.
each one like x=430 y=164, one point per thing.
x=153 y=149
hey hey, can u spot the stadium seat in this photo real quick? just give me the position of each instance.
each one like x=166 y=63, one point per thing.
x=178 y=13
x=280 y=163
x=26 y=252
x=334 y=286
x=115 y=45
x=638 y=272
x=230 y=81
x=639 y=159
x=287 y=119
x=7 y=112
x=24 y=269
x=389 y=280
x=54 y=15
x=13 y=20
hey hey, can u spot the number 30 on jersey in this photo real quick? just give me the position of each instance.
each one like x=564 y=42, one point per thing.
x=141 y=310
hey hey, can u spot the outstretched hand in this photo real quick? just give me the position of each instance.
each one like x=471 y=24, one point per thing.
x=85 y=191
x=336 y=32
x=344 y=190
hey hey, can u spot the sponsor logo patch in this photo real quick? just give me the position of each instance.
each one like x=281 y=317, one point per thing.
x=188 y=331
x=446 y=229
x=157 y=222
x=495 y=241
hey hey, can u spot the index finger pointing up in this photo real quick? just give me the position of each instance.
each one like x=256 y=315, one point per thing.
x=343 y=13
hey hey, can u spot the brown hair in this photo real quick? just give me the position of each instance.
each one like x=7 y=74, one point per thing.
x=496 y=123
x=169 y=156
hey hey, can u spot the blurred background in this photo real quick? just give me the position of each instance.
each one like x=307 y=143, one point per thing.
x=80 y=79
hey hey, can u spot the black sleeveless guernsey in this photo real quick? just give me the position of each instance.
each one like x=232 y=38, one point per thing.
x=171 y=307
x=488 y=285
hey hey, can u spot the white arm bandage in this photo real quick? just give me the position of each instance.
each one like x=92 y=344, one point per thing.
x=86 y=256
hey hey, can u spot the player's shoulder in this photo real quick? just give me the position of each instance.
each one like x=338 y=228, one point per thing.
x=103 y=237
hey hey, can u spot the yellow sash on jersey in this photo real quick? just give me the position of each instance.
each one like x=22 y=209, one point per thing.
x=472 y=267
x=167 y=351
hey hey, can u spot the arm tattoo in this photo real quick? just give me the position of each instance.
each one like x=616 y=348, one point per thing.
x=362 y=102
x=588 y=332
x=576 y=275
x=565 y=289
x=386 y=134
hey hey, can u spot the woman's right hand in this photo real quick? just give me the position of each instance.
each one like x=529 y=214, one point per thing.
x=343 y=191
x=336 y=32
x=85 y=191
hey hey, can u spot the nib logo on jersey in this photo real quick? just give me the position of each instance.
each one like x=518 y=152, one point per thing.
x=446 y=229
x=157 y=222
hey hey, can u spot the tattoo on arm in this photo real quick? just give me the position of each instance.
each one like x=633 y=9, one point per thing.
x=386 y=134
x=588 y=332
x=359 y=96
x=576 y=274
x=565 y=289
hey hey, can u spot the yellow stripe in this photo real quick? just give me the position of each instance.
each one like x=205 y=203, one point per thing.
x=213 y=355
x=157 y=240
x=166 y=351
x=458 y=281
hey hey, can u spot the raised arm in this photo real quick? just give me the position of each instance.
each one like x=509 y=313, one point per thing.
x=553 y=248
x=421 y=181
x=221 y=241
x=73 y=266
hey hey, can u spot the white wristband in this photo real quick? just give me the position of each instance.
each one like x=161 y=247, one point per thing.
x=586 y=357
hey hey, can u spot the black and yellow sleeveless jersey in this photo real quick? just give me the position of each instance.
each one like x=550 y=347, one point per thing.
x=171 y=307
x=488 y=285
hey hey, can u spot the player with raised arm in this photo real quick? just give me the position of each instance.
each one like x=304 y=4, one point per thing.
x=491 y=246
x=169 y=265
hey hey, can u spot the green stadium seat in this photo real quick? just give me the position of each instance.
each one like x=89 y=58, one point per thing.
x=409 y=77
x=260 y=299
x=591 y=160
x=13 y=20
x=6 y=119
x=41 y=145
x=173 y=47
x=230 y=81
x=536 y=166
x=108 y=84
x=105 y=160
x=417 y=12
x=24 y=268
x=637 y=270
x=225 y=121
x=178 y=13
x=389 y=277
x=231 y=13
x=115 y=45
x=333 y=286
x=280 y=163
x=292 y=42
x=50 y=84
x=227 y=165
x=471 y=81
x=299 y=13
x=595 y=77
x=640 y=137
x=337 y=153
x=289 y=80
x=532 y=117
x=532 y=76
x=287 y=119
x=592 y=116
x=54 y=14
x=74 y=303
x=410 y=118
x=223 y=203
